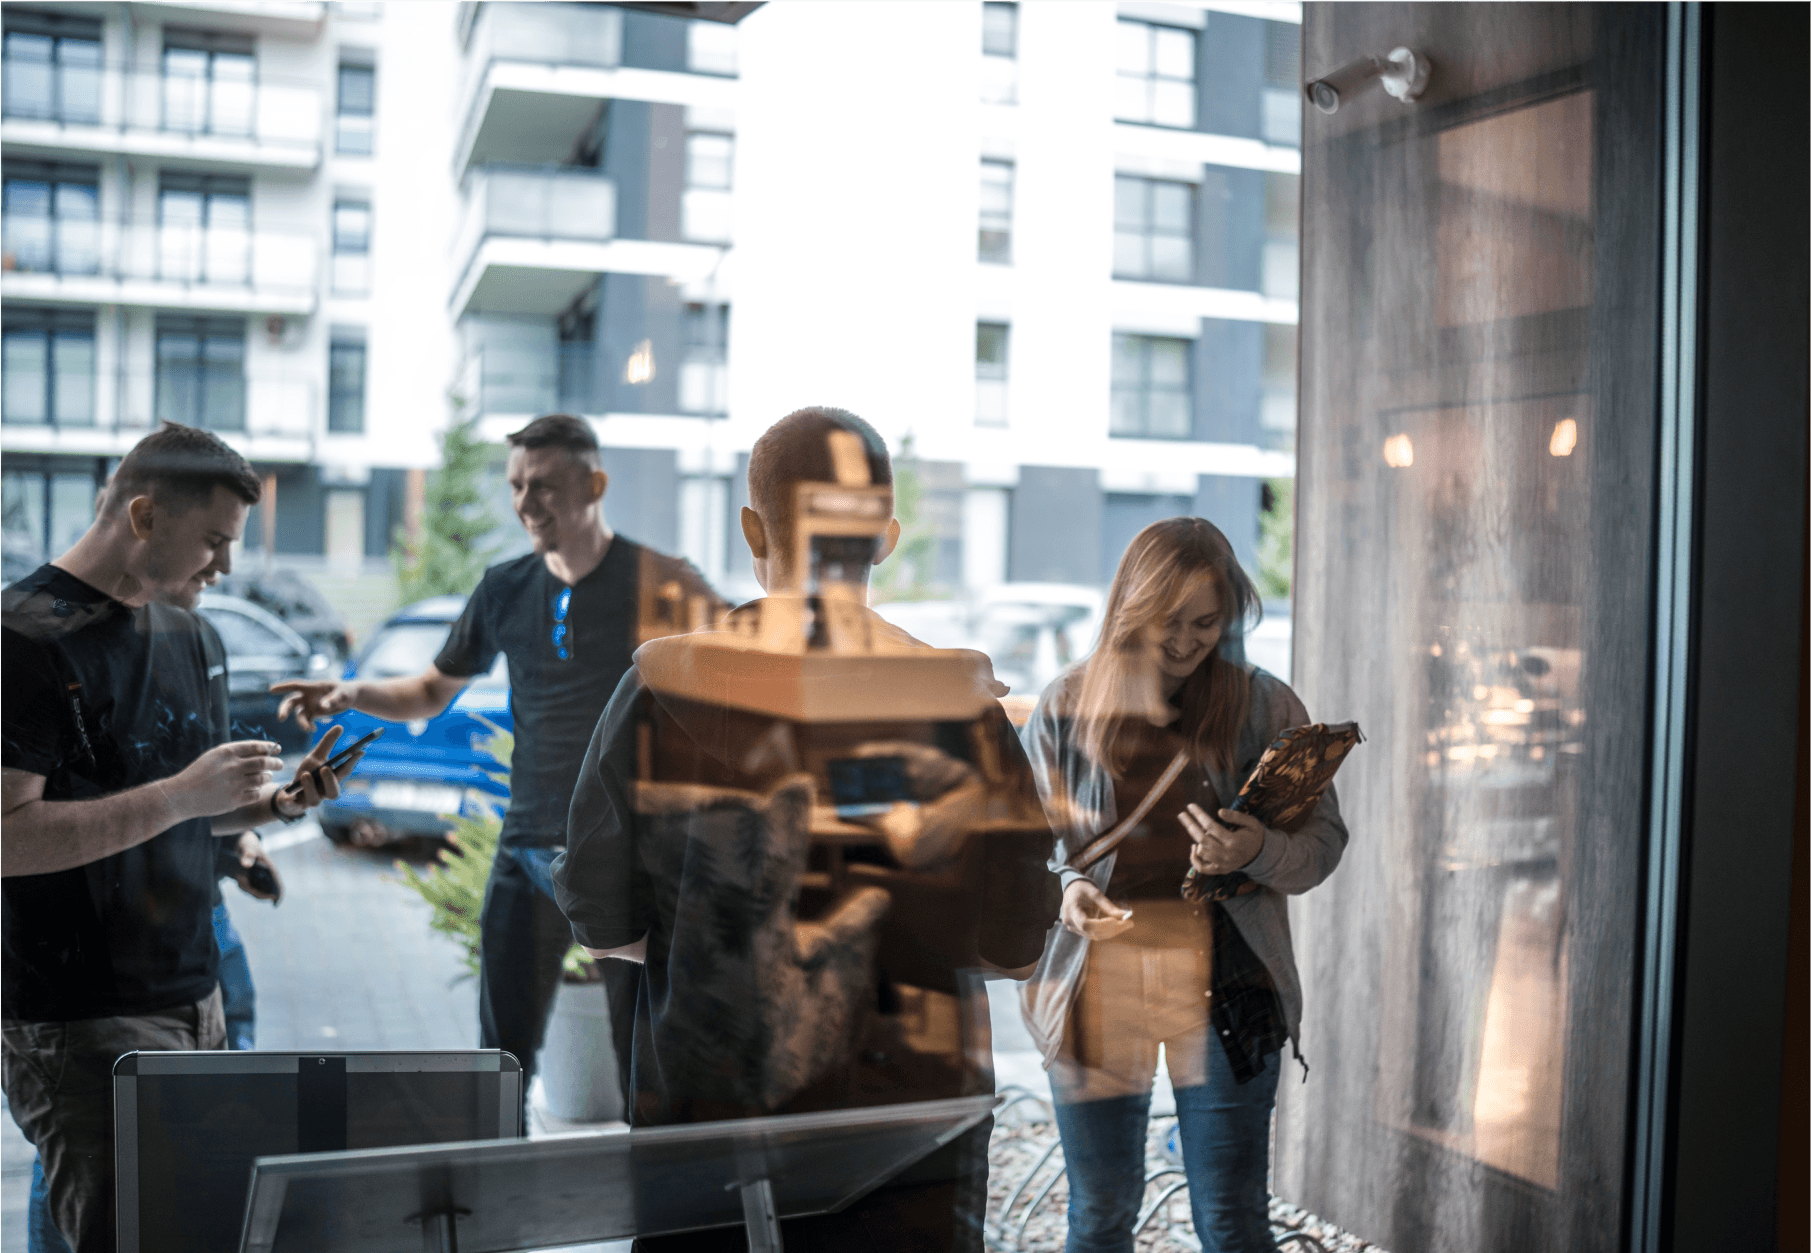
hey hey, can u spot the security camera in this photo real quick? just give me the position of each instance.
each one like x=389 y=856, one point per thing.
x=1403 y=74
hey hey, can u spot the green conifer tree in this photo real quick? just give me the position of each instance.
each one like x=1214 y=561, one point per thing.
x=450 y=555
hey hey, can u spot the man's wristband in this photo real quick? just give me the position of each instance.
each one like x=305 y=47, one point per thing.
x=300 y=813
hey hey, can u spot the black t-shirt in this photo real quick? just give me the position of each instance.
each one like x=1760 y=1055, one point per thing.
x=99 y=698
x=634 y=595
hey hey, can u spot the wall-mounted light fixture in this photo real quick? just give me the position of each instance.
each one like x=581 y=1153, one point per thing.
x=1403 y=74
x=1565 y=438
x=1399 y=452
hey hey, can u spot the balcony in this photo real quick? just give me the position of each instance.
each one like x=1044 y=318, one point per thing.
x=216 y=122
x=84 y=261
x=513 y=381
x=266 y=417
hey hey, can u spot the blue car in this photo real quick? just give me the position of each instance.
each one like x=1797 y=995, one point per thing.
x=419 y=772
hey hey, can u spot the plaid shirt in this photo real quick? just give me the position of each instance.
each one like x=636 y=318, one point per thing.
x=1244 y=1008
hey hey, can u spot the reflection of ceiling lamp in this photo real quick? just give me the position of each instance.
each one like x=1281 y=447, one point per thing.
x=1403 y=74
x=640 y=366
x=1565 y=438
x=1398 y=452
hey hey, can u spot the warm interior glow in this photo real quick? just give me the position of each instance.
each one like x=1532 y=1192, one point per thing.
x=640 y=366
x=1565 y=438
x=1398 y=452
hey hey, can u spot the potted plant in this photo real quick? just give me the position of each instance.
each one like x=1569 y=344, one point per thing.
x=578 y=1057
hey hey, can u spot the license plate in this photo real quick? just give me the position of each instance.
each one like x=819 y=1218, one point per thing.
x=420 y=797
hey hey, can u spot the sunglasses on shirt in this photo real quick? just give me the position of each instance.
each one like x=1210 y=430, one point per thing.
x=562 y=634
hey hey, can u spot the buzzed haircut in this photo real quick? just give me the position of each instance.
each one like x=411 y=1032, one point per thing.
x=795 y=450
x=179 y=467
x=559 y=430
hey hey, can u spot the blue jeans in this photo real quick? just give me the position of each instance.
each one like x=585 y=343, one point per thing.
x=238 y=997
x=1224 y=1132
x=41 y=1234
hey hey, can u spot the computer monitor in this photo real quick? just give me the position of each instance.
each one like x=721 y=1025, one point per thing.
x=187 y=1126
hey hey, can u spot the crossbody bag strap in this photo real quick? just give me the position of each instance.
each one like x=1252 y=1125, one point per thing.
x=1110 y=841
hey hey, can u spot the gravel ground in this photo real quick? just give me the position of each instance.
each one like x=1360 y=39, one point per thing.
x=1024 y=1217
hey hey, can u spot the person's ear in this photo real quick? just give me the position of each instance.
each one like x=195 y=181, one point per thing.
x=140 y=511
x=888 y=542
x=600 y=483
x=755 y=532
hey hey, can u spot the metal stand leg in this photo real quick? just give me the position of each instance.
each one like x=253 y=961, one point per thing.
x=758 y=1213
x=440 y=1232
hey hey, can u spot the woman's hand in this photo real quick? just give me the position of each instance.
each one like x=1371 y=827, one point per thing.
x=1224 y=846
x=1088 y=912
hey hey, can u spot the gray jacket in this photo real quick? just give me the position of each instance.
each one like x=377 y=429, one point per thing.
x=1078 y=799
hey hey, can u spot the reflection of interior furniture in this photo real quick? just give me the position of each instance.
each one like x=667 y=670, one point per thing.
x=536 y=1194
x=188 y=1126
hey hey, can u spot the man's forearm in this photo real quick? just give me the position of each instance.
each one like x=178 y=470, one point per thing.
x=400 y=700
x=42 y=837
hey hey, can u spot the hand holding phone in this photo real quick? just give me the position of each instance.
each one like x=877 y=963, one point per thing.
x=311 y=775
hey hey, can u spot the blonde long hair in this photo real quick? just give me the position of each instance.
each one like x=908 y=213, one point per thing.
x=1159 y=570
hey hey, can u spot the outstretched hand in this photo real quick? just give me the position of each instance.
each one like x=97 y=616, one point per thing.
x=311 y=699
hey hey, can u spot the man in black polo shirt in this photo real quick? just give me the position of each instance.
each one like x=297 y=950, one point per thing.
x=568 y=616
x=115 y=780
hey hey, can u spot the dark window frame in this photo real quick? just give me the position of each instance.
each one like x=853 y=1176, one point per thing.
x=993 y=232
x=1148 y=230
x=346 y=402
x=1143 y=389
x=65 y=32
x=207 y=332
x=83 y=229
x=1150 y=77
x=50 y=325
x=347 y=140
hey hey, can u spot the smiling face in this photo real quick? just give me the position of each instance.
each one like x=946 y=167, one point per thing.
x=184 y=546
x=555 y=494
x=1181 y=642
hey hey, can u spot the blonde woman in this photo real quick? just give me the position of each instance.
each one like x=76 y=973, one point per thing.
x=1158 y=709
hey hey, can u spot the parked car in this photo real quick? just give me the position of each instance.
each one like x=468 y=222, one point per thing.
x=298 y=602
x=419 y=772
x=260 y=650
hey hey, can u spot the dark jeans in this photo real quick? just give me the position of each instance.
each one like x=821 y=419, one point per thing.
x=525 y=938
x=59 y=1087
x=1224 y=1131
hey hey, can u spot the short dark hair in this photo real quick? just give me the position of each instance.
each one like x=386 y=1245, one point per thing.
x=795 y=450
x=558 y=430
x=179 y=467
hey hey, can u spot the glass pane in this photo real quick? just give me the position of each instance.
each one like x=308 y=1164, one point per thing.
x=710 y=48
x=28 y=76
x=178 y=378
x=27 y=229
x=1128 y=360
x=1134 y=48
x=229 y=211
x=73 y=356
x=999 y=27
x=231 y=108
x=1172 y=258
x=358 y=90
x=1132 y=99
x=78 y=228
x=1170 y=416
x=184 y=89
x=1129 y=202
x=1129 y=256
x=707 y=160
x=1128 y=413
x=22 y=515
x=1173 y=104
x=996 y=187
x=1279 y=275
x=27 y=196
x=228 y=255
x=999 y=80
x=994 y=246
x=1169 y=363
x=990 y=402
x=1172 y=206
x=23 y=376
x=351 y=227
x=990 y=344
x=1174 y=53
x=353 y=135
x=79 y=80
x=705 y=215
x=72 y=499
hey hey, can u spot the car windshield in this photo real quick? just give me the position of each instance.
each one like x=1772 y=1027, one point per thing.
x=406 y=648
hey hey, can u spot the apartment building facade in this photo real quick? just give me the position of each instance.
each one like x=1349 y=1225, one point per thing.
x=192 y=206
x=1051 y=245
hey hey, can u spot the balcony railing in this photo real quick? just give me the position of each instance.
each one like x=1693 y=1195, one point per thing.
x=192 y=256
x=218 y=396
x=253 y=110
x=537 y=382
x=549 y=204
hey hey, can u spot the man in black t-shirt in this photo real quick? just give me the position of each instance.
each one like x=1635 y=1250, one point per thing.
x=116 y=784
x=569 y=617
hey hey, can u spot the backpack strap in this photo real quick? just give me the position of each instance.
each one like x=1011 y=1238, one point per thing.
x=1111 y=840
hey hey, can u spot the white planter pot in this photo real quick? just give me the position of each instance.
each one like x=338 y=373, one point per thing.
x=578 y=1057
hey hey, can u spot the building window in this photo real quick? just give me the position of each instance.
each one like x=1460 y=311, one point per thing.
x=996 y=212
x=346 y=383
x=999 y=53
x=1153 y=229
x=50 y=218
x=1276 y=411
x=704 y=212
x=353 y=126
x=204 y=229
x=52 y=67
x=47 y=511
x=209 y=82
x=1151 y=394
x=704 y=360
x=704 y=523
x=1282 y=97
x=1156 y=75
x=47 y=367
x=201 y=372
x=351 y=248
x=1279 y=274
x=990 y=373
x=710 y=48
